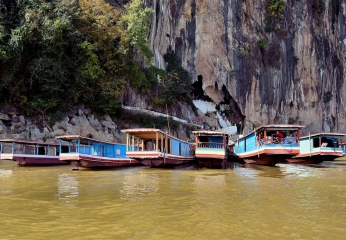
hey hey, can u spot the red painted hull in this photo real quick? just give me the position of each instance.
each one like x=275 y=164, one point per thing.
x=38 y=161
x=90 y=161
x=165 y=162
x=211 y=162
x=101 y=164
x=159 y=159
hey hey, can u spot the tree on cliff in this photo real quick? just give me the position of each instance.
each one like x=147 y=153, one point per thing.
x=54 y=54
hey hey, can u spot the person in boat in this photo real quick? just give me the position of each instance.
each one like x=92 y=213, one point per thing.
x=260 y=138
x=278 y=136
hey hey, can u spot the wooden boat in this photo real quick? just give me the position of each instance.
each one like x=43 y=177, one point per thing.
x=155 y=148
x=211 y=147
x=91 y=153
x=319 y=147
x=30 y=153
x=269 y=144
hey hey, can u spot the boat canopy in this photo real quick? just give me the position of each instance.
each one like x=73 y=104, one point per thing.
x=282 y=127
x=325 y=134
x=28 y=142
x=83 y=140
x=149 y=133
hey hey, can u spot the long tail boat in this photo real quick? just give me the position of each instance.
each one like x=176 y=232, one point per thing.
x=211 y=147
x=318 y=147
x=91 y=153
x=30 y=153
x=155 y=148
x=269 y=144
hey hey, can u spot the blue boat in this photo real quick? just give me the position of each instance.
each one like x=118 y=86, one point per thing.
x=155 y=148
x=91 y=153
x=319 y=147
x=269 y=144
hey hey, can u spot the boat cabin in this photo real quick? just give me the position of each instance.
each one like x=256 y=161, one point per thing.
x=155 y=140
x=320 y=140
x=77 y=144
x=269 y=135
x=29 y=147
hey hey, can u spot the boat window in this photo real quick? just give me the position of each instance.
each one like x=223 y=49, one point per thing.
x=64 y=149
x=41 y=150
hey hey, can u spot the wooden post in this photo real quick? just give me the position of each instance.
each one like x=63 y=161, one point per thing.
x=133 y=143
x=319 y=141
x=157 y=142
x=161 y=143
x=127 y=142
x=166 y=144
x=310 y=143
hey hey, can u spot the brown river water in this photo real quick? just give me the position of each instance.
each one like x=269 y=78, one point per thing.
x=241 y=202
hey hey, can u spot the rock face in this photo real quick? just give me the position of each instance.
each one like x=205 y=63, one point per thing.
x=271 y=66
x=79 y=122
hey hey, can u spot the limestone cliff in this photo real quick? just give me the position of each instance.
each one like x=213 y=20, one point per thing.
x=284 y=65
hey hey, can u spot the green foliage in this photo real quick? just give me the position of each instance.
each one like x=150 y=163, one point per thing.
x=274 y=14
x=176 y=85
x=41 y=105
x=275 y=8
x=54 y=54
x=57 y=116
x=262 y=44
x=136 y=21
x=106 y=104
x=92 y=66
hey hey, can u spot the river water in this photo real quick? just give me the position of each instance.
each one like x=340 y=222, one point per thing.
x=241 y=202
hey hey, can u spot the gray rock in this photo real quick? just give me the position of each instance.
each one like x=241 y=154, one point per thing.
x=4 y=116
x=22 y=119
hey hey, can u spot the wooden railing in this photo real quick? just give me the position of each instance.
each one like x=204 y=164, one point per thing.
x=210 y=145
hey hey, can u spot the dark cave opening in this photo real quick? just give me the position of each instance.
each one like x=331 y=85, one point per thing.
x=197 y=90
x=233 y=112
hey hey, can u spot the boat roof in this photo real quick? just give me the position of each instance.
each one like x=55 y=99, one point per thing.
x=209 y=132
x=83 y=140
x=282 y=127
x=325 y=134
x=274 y=127
x=149 y=133
x=28 y=142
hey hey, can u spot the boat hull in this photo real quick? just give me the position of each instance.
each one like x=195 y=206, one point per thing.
x=270 y=155
x=33 y=160
x=314 y=158
x=209 y=157
x=159 y=159
x=211 y=162
x=90 y=161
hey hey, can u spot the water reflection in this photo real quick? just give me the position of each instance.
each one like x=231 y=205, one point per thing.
x=137 y=185
x=67 y=187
